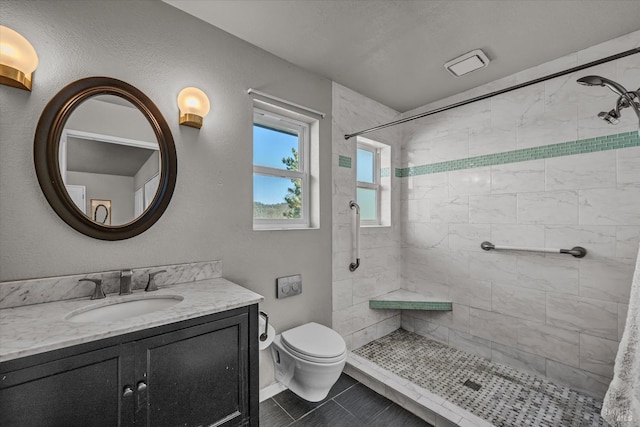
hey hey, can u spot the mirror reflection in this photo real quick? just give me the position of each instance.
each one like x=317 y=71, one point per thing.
x=109 y=160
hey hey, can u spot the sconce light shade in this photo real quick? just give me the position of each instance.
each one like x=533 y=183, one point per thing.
x=18 y=59
x=194 y=106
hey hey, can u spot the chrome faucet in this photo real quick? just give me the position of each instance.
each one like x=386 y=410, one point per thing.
x=151 y=284
x=125 y=281
x=98 y=292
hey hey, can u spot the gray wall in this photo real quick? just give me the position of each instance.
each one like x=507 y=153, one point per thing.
x=150 y=169
x=161 y=50
x=118 y=189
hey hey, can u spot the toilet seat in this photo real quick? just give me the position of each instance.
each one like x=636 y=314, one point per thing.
x=315 y=343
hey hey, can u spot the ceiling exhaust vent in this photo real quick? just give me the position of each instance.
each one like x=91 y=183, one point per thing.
x=467 y=63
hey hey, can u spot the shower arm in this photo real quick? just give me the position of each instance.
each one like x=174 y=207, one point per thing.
x=627 y=100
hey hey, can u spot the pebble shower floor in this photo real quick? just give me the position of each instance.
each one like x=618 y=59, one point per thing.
x=506 y=397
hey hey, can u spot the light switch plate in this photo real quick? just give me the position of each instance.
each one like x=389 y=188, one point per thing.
x=288 y=286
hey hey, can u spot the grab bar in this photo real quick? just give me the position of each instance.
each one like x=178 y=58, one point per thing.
x=576 y=251
x=354 y=265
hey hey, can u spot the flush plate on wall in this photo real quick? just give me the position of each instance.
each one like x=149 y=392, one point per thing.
x=288 y=286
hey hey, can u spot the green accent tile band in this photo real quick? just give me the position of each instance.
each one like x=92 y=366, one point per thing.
x=581 y=146
x=385 y=172
x=344 y=161
x=410 y=305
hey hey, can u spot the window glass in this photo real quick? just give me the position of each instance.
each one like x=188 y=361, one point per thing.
x=280 y=171
x=365 y=165
x=368 y=203
x=271 y=146
x=276 y=198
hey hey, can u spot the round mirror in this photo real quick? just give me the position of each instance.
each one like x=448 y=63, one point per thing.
x=105 y=158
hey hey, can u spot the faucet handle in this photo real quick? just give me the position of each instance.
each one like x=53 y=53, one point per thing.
x=151 y=284
x=98 y=292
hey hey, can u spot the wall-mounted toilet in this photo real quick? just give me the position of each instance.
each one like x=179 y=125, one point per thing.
x=309 y=360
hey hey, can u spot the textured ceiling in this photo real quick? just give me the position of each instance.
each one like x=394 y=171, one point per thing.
x=393 y=51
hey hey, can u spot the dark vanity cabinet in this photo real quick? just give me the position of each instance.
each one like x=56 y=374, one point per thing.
x=198 y=372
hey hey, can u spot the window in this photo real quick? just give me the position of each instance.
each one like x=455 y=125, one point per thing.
x=368 y=186
x=373 y=182
x=280 y=171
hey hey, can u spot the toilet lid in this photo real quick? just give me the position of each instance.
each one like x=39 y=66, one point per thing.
x=314 y=340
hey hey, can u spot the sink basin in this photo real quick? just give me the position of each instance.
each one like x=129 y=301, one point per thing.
x=123 y=309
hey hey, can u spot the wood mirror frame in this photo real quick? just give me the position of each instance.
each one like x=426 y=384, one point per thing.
x=46 y=156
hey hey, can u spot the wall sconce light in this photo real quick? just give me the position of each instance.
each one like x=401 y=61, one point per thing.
x=18 y=59
x=194 y=106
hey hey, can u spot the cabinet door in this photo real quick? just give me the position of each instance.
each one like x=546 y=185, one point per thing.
x=82 y=390
x=194 y=376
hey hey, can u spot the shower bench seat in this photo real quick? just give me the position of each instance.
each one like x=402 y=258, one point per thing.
x=407 y=300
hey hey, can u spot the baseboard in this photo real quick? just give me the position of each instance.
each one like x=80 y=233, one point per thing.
x=271 y=390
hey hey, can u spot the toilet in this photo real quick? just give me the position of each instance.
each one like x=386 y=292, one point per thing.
x=309 y=360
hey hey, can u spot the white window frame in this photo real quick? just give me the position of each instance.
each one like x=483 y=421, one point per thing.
x=376 y=180
x=280 y=122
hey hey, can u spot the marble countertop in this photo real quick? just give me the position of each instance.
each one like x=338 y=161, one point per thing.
x=38 y=328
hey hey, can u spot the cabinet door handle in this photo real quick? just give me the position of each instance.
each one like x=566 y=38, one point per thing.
x=142 y=386
x=128 y=391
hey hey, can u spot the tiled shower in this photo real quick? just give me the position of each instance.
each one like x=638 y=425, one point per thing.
x=534 y=167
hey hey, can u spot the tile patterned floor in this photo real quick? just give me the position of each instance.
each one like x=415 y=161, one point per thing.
x=506 y=397
x=349 y=404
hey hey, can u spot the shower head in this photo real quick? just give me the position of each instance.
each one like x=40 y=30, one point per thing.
x=625 y=98
x=611 y=117
x=601 y=81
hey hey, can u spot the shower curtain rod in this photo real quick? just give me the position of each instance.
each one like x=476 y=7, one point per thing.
x=498 y=92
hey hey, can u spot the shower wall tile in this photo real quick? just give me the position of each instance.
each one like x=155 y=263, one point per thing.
x=518 y=302
x=493 y=326
x=449 y=210
x=494 y=266
x=610 y=206
x=342 y=296
x=470 y=292
x=431 y=330
x=592 y=384
x=518 y=359
x=550 y=127
x=597 y=355
x=458 y=318
x=586 y=315
x=628 y=166
x=551 y=207
x=628 y=71
x=549 y=273
x=468 y=236
x=509 y=109
x=493 y=209
x=379 y=271
x=489 y=140
x=590 y=170
x=627 y=241
x=562 y=90
x=470 y=182
x=549 y=342
x=607 y=279
x=423 y=235
x=518 y=235
x=364 y=336
x=518 y=177
x=450 y=146
x=431 y=185
x=467 y=342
